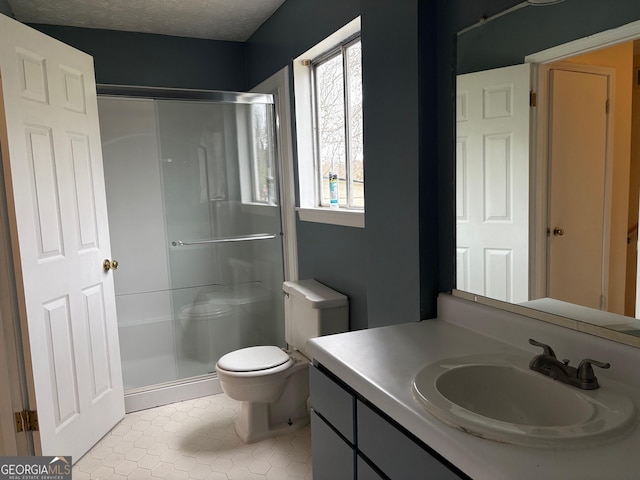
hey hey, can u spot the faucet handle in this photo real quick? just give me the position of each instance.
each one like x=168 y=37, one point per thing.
x=547 y=349
x=585 y=371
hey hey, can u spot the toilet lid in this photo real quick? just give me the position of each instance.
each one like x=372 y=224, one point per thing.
x=253 y=358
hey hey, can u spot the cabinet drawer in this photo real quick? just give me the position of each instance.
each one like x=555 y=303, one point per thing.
x=365 y=471
x=393 y=452
x=333 y=458
x=333 y=402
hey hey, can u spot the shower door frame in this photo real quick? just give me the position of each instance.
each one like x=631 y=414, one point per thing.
x=140 y=398
x=274 y=90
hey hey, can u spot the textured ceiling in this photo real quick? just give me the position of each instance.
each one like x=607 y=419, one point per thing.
x=233 y=20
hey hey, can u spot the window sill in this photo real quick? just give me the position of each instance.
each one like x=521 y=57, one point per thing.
x=260 y=209
x=345 y=218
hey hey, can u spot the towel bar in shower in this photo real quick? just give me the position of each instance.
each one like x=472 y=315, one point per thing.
x=243 y=238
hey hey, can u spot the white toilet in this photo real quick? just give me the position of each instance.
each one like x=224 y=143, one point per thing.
x=271 y=383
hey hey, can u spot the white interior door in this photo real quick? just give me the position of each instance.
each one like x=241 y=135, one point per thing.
x=577 y=165
x=57 y=210
x=492 y=183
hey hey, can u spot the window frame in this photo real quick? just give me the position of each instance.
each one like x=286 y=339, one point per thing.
x=338 y=50
x=308 y=207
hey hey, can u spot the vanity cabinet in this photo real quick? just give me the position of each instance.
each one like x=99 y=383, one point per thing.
x=364 y=471
x=335 y=454
x=332 y=427
x=352 y=439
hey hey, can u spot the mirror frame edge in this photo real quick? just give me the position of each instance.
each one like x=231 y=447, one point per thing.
x=558 y=320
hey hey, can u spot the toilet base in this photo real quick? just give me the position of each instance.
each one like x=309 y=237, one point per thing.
x=253 y=423
x=258 y=420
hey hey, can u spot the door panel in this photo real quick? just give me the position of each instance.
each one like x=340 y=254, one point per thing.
x=101 y=376
x=498 y=266
x=44 y=189
x=57 y=208
x=83 y=176
x=60 y=350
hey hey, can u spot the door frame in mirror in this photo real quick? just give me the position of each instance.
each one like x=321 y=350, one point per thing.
x=539 y=174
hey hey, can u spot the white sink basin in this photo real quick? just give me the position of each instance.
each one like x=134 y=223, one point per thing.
x=499 y=398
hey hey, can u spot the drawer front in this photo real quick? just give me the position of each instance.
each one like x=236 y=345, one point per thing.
x=366 y=472
x=332 y=457
x=395 y=454
x=332 y=402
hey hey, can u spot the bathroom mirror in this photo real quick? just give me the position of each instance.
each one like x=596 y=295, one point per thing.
x=548 y=161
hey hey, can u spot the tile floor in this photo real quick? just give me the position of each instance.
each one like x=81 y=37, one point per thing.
x=193 y=439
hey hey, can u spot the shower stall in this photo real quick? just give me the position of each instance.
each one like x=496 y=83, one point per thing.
x=195 y=225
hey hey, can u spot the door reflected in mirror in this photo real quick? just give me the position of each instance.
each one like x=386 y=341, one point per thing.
x=548 y=162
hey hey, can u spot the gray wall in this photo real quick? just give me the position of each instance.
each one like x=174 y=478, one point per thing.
x=392 y=167
x=334 y=255
x=292 y=30
x=5 y=8
x=380 y=267
x=127 y=58
x=485 y=47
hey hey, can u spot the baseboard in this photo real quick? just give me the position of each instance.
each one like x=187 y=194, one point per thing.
x=165 y=393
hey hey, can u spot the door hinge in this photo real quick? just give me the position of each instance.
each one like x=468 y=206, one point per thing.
x=606 y=107
x=533 y=99
x=27 y=420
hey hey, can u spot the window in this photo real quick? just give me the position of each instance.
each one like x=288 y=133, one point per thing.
x=256 y=153
x=337 y=92
x=262 y=167
x=328 y=109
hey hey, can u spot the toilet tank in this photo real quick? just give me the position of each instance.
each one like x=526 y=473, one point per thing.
x=312 y=309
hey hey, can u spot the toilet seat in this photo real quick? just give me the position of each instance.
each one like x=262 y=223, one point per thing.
x=255 y=359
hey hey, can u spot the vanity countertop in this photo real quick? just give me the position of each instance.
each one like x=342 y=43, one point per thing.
x=380 y=363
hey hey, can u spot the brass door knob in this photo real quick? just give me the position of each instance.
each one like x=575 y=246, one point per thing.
x=109 y=265
x=558 y=232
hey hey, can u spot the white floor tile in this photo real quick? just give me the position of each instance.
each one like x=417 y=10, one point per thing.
x=194 y=439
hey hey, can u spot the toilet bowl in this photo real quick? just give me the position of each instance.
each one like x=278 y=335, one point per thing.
x=273 y=386
x=272 y=383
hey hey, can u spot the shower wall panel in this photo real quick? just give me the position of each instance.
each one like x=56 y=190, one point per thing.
x=138 y=239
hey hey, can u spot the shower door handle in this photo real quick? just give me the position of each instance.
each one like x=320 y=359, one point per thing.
x=243 y=238
x=110 y=265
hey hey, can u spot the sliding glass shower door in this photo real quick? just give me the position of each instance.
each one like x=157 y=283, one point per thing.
x=195 y=223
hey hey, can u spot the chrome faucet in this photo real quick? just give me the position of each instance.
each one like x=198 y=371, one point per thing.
x=581 y=377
